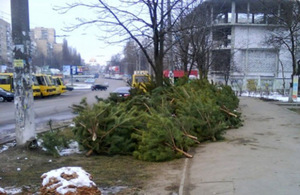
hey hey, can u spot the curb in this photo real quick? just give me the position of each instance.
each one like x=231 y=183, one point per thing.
x=181 y=187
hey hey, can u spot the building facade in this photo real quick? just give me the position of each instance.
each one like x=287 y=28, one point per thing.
x=6 y=44
x=45 y=47
x=239 y=33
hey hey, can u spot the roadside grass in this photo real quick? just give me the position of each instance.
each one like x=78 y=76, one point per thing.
x=297 y=110
x=22 y=168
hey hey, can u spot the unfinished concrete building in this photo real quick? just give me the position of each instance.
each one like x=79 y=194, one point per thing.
x=239 y=32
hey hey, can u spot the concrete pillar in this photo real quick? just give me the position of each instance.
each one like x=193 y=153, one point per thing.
x=233 y=12
x=24 y=114
x=248 y=12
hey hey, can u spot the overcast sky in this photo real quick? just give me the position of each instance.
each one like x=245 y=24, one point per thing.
x=84 y=40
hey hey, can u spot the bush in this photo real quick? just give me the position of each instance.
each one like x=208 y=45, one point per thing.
x=53 y=142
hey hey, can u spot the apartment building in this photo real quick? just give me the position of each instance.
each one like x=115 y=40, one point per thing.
x=239 y=32
x=5 y=43
x=44 y=41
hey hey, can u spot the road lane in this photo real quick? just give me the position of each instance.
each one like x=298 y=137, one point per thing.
x=54 y=108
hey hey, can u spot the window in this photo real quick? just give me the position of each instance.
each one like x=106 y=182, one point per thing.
x=221 y=18
x=242 y=18
x=4 y=79
x=259 y=19
x=141 y=79
x=40 y=80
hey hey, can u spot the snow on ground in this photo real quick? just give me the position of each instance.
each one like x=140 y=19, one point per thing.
x=87 y=85
x=272 y=96
x=82 y=86
x=67 y=179
x=73 y=148
x=2 y=191
x=7 y=146
x=11 y=190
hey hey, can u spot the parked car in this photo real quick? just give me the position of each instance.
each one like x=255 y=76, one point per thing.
x=69 y=88
x=6 y=95
x=122 y=91
x=98 y=87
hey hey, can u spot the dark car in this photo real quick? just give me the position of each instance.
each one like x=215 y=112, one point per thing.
x=98 y=87
x=69 y=88
x=122 y=91
x=6 y=95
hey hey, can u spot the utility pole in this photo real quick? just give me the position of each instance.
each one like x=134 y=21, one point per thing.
x=24 y=114
x=171 y=61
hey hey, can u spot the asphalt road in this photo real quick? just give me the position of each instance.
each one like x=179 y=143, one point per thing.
x=56 y=108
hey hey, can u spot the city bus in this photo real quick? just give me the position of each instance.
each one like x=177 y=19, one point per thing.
x=60 y=83
x=46 y=86
x=7 y=83
x=139 y=78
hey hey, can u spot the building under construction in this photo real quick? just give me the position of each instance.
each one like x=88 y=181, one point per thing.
x=240 y=33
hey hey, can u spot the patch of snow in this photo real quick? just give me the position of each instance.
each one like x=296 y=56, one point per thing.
x=7 y=146
x=2 y=191
x=40 y=142
x=272 y=96
x=83 y=179
x=82 y=86
x=72 y=125
x=13 y=190
x=73 y=148
x=3 y=148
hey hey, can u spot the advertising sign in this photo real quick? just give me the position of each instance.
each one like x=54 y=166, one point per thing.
x=295 y=87
x=18 y=63
x=66 y=70
x=79 y=69
x=3 y=68
x=74 y=70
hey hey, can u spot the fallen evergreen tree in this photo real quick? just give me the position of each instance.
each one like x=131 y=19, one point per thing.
x=160 y=125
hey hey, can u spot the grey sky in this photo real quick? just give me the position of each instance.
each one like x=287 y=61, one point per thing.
x=84 y=39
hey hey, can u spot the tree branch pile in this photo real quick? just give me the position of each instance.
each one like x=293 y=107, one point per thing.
x=157 y=126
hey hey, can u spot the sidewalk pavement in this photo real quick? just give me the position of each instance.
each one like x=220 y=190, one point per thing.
x=260 y=158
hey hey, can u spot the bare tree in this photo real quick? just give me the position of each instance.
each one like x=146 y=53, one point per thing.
x=201 y=44
x=130 y=57
x=183 y=41
x=116 y=60
x=70 y=56
x=286 y=32
x=38 y=59
x=195 y=46
x=138 y=20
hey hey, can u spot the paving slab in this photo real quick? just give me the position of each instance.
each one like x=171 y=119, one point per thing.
x=261 y=158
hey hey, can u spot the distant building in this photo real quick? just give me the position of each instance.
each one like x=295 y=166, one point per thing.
x=239 y=29
x=45 y=46
x=41 y=33
x=6 y=44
